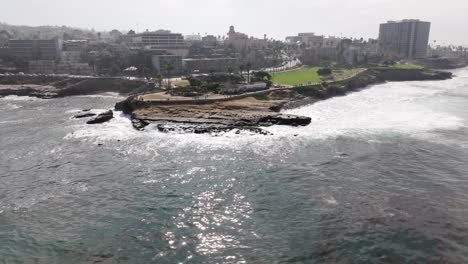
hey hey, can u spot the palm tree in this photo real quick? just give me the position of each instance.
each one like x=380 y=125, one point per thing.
x=159 y=79
x=248 y=66
x=242 y=68
x=169 y=68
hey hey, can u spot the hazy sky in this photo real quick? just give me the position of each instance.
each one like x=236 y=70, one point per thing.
x=352 y=18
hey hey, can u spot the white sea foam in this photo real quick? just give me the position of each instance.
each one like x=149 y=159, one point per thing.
x=20 y=98
x=405 y=108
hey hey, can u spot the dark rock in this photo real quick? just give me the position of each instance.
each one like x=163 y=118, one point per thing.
x=386 y=74
x=139 y=124
x=86 y=110
x=204 y=129
x=287 y=120
x=84 y=115
x=101 y=118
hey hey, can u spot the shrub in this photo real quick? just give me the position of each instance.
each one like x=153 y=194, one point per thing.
x=324 y=71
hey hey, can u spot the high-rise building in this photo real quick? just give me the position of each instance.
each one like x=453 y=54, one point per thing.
x=405 y=39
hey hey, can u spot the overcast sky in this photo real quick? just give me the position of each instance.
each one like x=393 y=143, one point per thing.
x=277 y=19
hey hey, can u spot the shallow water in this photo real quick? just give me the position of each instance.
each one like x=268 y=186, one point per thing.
x=380 y=176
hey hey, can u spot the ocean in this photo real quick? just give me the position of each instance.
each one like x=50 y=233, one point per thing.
x=379 y=176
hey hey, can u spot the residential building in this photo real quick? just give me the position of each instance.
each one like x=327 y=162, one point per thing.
x=161 y=63
x=161 y=39
x=75 y=45
x=35 y=49
x=405 y=39
x=4 y=51
x=328 y=51
x=209 y=41
x=309 y=39
x=205 y=65
x=41 y=66
x=242 y=41
x=71 y=61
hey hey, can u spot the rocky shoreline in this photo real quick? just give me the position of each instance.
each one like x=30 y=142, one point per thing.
x=48 y=87
x=250 y=113
x=253 y=113
x=245 y=114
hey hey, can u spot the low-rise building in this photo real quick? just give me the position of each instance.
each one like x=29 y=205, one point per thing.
x=4 y=51
x=35 y=49
x=161 y=64
x=75 y=45
x=41 y=66
x=204 y=65
x=242 y=41
x=74 y=68
x=309 y=39
x=209 y=41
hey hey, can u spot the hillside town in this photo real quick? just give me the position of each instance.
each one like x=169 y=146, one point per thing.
x=162 y=53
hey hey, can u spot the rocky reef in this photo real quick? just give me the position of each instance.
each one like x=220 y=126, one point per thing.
x=244 y=114
x=101 y=118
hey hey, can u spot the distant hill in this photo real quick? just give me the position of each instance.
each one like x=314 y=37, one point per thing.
x=43 y=32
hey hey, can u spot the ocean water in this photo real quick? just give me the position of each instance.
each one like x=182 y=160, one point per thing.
x=380 y=176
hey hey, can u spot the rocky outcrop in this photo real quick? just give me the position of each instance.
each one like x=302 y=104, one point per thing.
x=60 y=86
x=443 y=63
x=285 y=120
x=79 y=116
x=101 y=118
x=247 y=114
x=208 y=129
x=390 y=74
x=139 y=124
x=43 y=92
x=257 y=112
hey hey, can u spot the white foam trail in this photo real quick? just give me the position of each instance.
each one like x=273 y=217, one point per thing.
x=20 y=98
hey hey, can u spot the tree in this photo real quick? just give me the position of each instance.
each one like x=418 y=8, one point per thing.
x=145 y=71
x=324 y=71
x=159 y=80
x=169 y=69
x=241 y=69
x=248 y=66
x=262 y=76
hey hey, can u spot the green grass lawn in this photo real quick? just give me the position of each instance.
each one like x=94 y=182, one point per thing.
x=341 y=74
x=404 y=66
x=296 y=77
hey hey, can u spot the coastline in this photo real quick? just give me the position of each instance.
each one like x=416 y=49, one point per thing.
x=258 y=110
x=246 y=111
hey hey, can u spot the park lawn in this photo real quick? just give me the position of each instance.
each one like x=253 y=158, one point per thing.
x=340 y=74
x=301 y=76
x=405 y=66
